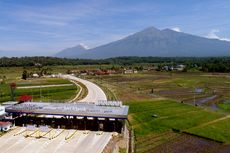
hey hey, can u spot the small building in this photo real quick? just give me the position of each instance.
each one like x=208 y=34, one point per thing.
x=35 y=75
x=5 y=126
x=166 y=68
x=53 y=76
x=130 y=71
x=179 y=67
x=2 y=110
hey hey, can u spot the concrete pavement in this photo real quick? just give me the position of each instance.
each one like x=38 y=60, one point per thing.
x=95 y=93
x=79 y=143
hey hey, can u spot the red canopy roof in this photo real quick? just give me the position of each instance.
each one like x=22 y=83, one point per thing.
x=4 y=123
x=25 y=98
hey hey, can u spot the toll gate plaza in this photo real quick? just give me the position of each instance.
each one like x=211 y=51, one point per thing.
x=101 y=116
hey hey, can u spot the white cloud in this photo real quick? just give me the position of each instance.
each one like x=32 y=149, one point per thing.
x=177 y=29
x=213 y=35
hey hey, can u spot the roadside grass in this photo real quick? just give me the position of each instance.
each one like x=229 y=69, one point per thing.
x=84 y=91
x=106 y=88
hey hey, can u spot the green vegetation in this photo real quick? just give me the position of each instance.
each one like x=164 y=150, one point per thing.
x=60 y=94
x=122 y=150
x=109 y=94
x=84 y=91
x=219 y=130
x=205 y=64
x=172 y=116
x=42 y=81
x=167 y=95
x=56 y=94
x=161 y=103
x=224 y=106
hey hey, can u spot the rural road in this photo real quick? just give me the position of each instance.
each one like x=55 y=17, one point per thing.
x=95 y=93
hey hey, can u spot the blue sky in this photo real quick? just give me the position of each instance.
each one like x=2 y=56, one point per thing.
x=43 y=27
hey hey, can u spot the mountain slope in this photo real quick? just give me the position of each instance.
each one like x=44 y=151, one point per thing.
x=72 y=52
x=165 y=43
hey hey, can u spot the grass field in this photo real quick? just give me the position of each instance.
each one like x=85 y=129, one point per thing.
x=56 y=94
x=52 y=94
x=219 y=130
x=224 y=106
x=161 y=93
x=171 y=115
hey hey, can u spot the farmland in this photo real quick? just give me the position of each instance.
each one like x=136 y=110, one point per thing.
x=165 y=109
x=171 y=96
x=172 y=116
x=177 y=86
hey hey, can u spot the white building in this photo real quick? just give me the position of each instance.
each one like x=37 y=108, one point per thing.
x=2 y=110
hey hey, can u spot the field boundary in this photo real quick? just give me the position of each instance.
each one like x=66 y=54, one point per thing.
x=211 y=122
x=207 y=138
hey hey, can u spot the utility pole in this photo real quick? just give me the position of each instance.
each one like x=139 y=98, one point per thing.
x=194 y=97
x=40 y=94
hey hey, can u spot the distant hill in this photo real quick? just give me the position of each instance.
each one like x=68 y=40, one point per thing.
x=72 y=52
x=155 y=42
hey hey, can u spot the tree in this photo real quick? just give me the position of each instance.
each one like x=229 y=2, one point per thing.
x=12 y=89
x=24 y=75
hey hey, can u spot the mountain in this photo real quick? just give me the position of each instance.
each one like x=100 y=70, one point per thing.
x=164 y=43
x=72 y=52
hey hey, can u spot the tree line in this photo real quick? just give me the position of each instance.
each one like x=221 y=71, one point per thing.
x=206 y=64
